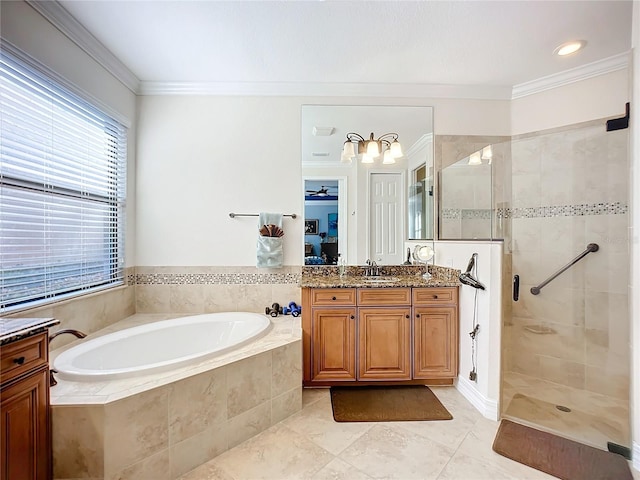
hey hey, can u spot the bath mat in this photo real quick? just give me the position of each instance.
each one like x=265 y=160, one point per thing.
x=557 y=456
x=386 y=404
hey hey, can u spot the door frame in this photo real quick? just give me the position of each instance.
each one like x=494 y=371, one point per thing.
x=343 y=234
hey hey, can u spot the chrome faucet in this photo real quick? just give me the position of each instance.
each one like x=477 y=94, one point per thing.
x=372 y=269
x=76 y=333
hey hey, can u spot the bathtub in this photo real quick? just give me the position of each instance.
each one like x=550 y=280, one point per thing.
x=159 y=346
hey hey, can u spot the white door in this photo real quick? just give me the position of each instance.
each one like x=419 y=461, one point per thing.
x=386 y=218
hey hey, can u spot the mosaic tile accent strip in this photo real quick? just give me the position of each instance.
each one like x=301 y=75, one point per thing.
x=478 y=214
x=216 y=278
x=606 y=208
x=450 y=213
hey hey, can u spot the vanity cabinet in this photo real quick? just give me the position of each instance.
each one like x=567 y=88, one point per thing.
x=435 y=333
x=25 y=444
x=384 y=334
x=373 y=335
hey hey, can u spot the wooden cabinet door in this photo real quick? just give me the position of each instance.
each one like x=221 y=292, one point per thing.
x=435 y=342
x=333 y=345
x=25 y=429
x=384 y=343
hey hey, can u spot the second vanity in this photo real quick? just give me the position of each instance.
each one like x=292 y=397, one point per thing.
x=364 y=330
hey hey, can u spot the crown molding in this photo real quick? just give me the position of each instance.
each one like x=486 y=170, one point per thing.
x=312 y=89
x=601 y=67
x=424 y=141
x=68 y=25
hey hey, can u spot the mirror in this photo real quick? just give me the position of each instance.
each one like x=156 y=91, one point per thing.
x=466 y=211
x=359 y=217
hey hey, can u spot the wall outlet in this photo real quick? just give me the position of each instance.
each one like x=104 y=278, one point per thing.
x=448 y=262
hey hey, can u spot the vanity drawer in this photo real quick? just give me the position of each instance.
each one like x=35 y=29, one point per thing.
x=435 y=296
x=22 y=356
x=384 y=296
x=333 y=296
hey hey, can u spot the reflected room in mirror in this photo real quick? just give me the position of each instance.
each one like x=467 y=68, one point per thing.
x=390 y=186
x=466 y=210
x=321 y=232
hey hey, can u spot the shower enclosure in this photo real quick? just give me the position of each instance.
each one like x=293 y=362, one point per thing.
x=566 y=338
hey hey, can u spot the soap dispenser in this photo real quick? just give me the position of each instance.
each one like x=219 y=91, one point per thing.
x=342 y=266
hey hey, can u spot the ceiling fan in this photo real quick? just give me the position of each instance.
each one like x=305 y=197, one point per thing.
x=322 y=192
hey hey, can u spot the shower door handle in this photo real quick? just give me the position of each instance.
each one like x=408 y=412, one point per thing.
x=516 y=287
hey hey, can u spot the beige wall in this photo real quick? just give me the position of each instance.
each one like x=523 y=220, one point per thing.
x=598 y=97
x=201 y=157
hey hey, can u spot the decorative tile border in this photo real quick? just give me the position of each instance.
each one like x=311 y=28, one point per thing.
x=606 y=208
x=216 y=278
x=450 y=213
x=478 y=214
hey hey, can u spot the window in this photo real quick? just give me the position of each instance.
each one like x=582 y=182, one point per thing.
x=62 y=190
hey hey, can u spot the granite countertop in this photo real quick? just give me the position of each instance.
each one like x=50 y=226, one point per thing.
x=12 y=329
x=407 y=276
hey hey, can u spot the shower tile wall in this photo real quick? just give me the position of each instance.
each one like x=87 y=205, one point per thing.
x=570 y=188
x=214 y=289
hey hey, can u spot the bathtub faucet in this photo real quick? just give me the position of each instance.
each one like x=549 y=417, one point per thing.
x=76 y=333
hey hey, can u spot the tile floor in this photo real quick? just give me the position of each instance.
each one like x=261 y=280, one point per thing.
x=310 y=445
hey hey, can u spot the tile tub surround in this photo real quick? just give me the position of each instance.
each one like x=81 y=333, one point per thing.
x=87 y=313
x=163 y=425
x=210 y=289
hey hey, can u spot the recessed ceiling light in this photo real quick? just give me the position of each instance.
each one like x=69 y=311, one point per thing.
x=569 y=47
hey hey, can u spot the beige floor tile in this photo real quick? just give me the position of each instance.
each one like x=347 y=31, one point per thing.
x=278 y=453
x=302 y=447
x=337 y=469
x=316 y=423
x=311 y=395
x=462 y=466
x=389 y=451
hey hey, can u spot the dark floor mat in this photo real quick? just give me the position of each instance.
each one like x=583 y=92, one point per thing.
x=386 y=404
x=558 y=456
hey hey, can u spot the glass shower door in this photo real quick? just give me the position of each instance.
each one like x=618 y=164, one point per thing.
x=566 y=348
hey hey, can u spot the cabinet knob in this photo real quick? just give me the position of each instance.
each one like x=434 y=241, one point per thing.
x=417 y=315
x=435 y=296
x=408 y=316
x=353 y=317
x=19 y=360
x=333 y=298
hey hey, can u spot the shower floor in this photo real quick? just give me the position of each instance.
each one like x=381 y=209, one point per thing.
x=593 y=419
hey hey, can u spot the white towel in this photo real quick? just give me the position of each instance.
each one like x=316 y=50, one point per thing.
x=269 y=249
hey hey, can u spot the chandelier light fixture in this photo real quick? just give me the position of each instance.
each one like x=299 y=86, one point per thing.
x=387 y=145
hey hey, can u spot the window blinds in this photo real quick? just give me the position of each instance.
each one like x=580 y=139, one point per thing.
x=62 y=190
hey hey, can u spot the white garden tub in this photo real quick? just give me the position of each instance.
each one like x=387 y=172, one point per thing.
x=159 y=346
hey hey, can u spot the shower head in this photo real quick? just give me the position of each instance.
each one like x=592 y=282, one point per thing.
x=467 y=278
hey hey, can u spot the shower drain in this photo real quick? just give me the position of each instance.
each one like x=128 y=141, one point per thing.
x=562 y=408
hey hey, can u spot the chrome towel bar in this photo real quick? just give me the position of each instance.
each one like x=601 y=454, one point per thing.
x=234 y=215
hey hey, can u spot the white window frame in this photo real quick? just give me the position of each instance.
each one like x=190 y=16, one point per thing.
x=62 y=188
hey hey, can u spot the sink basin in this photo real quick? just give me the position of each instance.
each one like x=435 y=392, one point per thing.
x=383 y=279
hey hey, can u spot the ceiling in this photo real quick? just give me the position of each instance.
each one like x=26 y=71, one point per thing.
x=398 y=43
